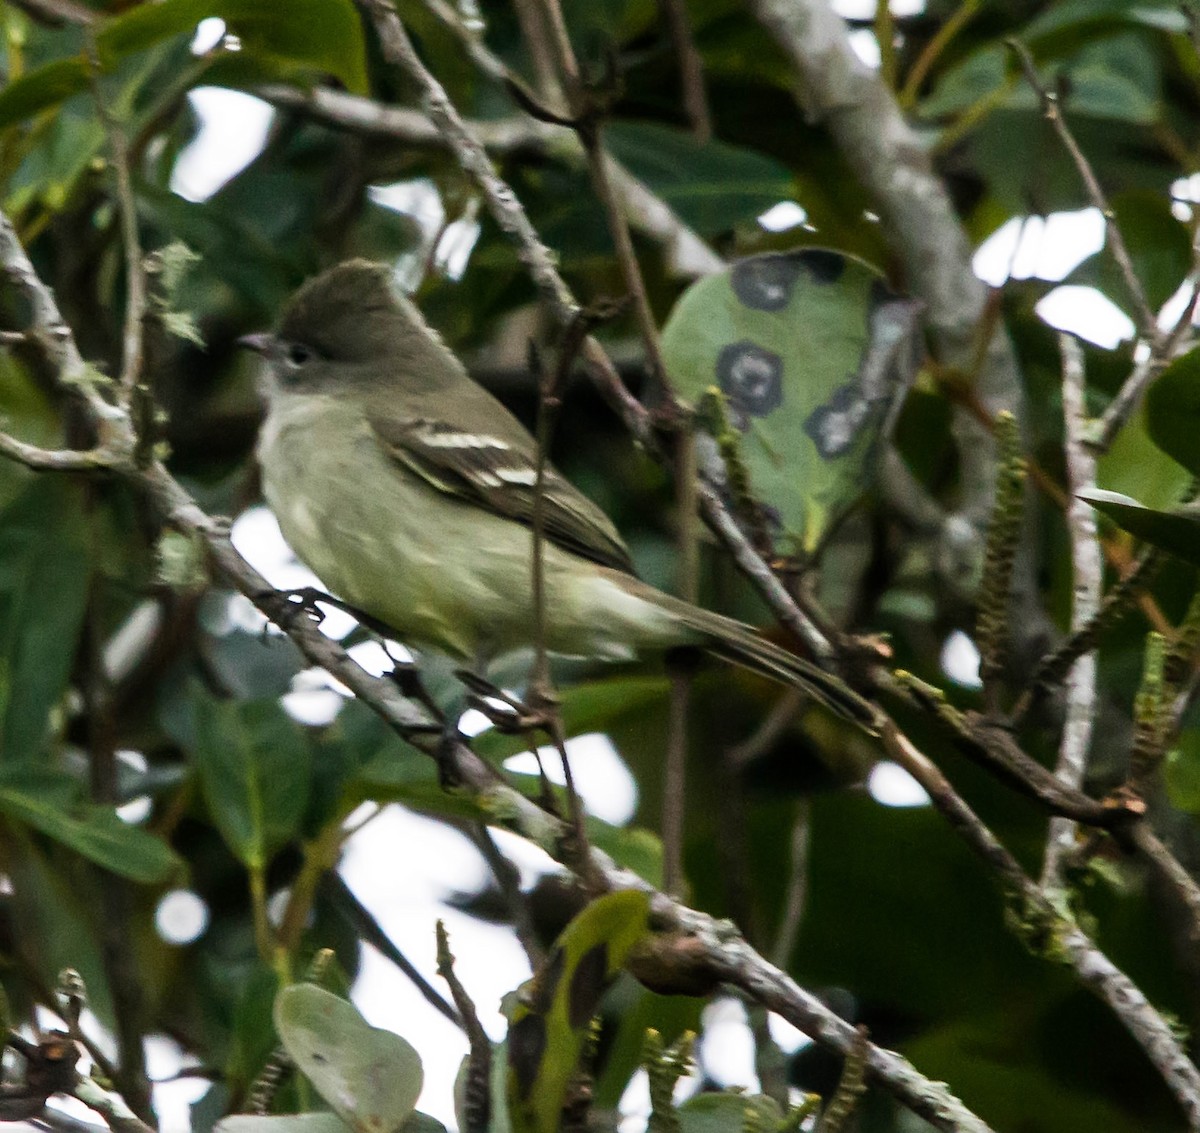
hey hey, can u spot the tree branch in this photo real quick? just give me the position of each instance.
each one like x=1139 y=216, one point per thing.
x=1087 y=564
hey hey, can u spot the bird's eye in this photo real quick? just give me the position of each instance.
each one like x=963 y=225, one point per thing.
x=298 y=354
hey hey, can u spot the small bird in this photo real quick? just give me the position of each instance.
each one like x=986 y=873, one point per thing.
x=410 y=492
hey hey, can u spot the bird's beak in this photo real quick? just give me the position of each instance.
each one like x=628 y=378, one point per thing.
x=259 y=343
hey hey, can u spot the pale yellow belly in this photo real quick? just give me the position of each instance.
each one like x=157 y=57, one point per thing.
x=443 y=573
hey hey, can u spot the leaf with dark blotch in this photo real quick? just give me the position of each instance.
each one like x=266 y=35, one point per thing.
x=813 y=353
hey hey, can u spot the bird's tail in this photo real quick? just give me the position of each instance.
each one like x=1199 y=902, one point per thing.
x=733 y=641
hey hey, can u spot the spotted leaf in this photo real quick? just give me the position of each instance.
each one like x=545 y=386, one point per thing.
x=812 y=353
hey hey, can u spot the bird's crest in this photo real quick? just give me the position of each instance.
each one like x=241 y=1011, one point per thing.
x=337 y=298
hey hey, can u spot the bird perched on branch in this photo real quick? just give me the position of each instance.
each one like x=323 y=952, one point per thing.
x=410 y=491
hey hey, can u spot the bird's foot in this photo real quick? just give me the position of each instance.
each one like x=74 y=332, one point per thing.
x=283 y=607
x=506 y=713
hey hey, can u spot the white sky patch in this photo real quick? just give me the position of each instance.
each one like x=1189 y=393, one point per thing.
x=181 y=916
x=257 y=538
x=232 y=134
x=1034 y=247
x=458 y=241
x=865 y=9
x=781 y=217
x=1088 y=313
x=604 y=783
x=960 y=660
x=173 y=1099
x=314 y=705
x=1173 y=308
x=866 y=46
x=890 y=785
x=787 y=1037
x=1186 y=188
x=406 y=903
x=138 y=809
x=726 y=1047
x=420 y=200
x=209 y=33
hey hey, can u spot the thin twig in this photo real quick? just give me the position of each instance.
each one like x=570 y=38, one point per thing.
x=117 y=951
x=477 y=1084
x=797 y=888
x=132 y=350
x=1052 y=112
x=508 y=880
x=1169 y=868
x=587 y=122
x=686 y=253
x=958 y=19
x=691 y=68
x=533 y=35
x=1087 y=567
x=675 y=780
x=111 y=1106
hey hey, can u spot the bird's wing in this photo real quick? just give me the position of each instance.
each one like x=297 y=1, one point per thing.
x=499 y=472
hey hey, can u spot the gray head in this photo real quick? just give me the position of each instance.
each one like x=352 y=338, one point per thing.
x=349 y=327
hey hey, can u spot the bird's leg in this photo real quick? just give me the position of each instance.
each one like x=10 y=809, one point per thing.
x=511 y=717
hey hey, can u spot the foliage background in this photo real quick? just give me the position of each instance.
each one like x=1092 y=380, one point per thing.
x=902 y=929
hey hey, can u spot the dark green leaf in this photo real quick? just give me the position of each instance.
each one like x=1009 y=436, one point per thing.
x=1172 y=408
x=371 y=1078
x=322 y=34
x=44 y=573
x=49 y=801
x=1177 y=531
x=255 y=765
x=712 y=187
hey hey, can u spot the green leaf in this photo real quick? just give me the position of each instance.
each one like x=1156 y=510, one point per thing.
x=1177 y=531
x=812 y=353
x=45 y=568
x=726 y=1110
x=285 y=1123
x=255 y=766
x=325 y=35
x=56 y=932
x=315 y=1123
x=371 y=1078
x=711 y=187
x=549 y=1022
x=1182 y=773
x=49 y=801
x=1172 y=408
x=1095 y=15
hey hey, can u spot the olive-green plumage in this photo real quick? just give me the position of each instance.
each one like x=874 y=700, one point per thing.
x=410 y=490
